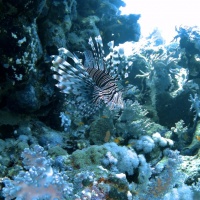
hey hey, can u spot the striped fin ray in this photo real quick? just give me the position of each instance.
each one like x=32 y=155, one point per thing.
x=98 y=52
x=70 y=79
x=108 y=63
x=89 y=59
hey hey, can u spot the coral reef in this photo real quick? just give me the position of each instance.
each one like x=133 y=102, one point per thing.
x=108 y=19
x=195 y=105
x=101 y=130
x=40 y=181
x=125 y=127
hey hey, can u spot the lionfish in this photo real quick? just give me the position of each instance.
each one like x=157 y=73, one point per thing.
x=90 y=82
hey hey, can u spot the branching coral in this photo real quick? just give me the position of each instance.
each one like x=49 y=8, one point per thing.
x=39 y=181
x=195 y=105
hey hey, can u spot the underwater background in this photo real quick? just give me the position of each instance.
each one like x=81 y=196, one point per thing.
x=84 y=117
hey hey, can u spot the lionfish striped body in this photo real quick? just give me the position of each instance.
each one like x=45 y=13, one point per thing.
x=91 y=83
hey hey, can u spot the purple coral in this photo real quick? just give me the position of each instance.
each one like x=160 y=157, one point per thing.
x=41 y=181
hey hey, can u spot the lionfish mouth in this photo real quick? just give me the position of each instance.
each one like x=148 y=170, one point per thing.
x=90 y=83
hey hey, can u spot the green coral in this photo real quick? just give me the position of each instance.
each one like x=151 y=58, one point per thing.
x=88 y=157
x=101 y=129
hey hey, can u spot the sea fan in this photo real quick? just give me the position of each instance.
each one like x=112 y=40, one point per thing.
x=90 y=83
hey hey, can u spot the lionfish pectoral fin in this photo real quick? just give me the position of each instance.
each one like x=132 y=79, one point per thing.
x=89 y=59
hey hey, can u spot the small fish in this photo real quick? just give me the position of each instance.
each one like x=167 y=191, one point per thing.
x=198 y=137
x=127 y=82
x=118 y=140
x=80 y=123
x=119 y=22
x=104 y=116
x=107 y=136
